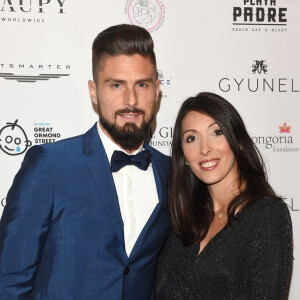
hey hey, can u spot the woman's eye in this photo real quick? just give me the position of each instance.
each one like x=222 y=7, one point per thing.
x=190 y=139
x=218 y=132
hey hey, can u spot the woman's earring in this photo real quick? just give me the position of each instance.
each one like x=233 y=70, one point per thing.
x=186 y=162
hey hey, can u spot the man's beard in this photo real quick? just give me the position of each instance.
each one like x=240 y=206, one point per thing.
x=129 y=136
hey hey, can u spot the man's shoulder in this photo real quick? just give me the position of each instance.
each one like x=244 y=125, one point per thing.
x=157 y=153
x=68 y=146
x=64 y=144
x=161 y=160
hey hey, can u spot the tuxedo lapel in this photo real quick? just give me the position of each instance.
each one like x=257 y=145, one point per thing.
x=161 y=186
x=101 y=174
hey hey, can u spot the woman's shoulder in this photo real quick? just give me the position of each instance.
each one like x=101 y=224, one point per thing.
x=268 y=212
x=268 y=206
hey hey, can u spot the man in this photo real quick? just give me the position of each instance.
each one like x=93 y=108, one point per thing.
x=83 y=219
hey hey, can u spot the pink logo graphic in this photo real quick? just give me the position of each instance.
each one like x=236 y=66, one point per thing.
x=145 y=13
x=285 y=128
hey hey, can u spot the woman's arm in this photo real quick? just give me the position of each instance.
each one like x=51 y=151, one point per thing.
x=270 y=253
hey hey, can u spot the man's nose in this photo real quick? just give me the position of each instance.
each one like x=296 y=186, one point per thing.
x=131 y=99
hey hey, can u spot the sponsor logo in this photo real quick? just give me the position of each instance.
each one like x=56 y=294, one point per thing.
x=3 y=202
x=259 y=83
x=13 y=139
x=165 y=84
x=41 y=6
x=162 y=137
x=278 y=143
x=28 y=78
x=285 y=128
x=259 y=67
x=31 y=68
x=164 y=81
x=22 y=11
x=259 y=16
x=45 y=133
x=44 y=67
x=149 y=14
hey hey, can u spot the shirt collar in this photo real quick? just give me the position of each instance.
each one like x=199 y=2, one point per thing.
x=110 y=146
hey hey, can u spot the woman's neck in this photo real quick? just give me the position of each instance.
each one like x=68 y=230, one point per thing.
x=223 y=195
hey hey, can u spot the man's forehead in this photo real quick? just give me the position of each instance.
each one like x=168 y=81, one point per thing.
x=108 y=60
x=123 y=67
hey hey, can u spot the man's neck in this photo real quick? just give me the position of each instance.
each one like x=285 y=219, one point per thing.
x=102 y=130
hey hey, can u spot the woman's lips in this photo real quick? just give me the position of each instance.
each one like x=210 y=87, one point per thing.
x=210 y=164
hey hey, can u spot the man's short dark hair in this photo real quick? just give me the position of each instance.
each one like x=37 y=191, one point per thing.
x=121 y=39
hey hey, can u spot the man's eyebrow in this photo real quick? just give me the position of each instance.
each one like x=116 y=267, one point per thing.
x=114 y=80
x=145 y=80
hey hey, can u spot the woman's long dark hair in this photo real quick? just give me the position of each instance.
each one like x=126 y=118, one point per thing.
x=191 y=206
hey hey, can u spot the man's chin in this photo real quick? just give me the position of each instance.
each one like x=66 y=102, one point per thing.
x=130 y=127
x=129 y=135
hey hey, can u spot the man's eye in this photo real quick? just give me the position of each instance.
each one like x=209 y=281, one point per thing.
x=116 y=85
x=142 y=84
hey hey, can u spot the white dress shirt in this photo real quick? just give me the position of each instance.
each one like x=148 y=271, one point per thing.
x=136 y=190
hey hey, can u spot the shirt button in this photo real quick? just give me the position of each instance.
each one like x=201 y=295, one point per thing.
x=126 y=271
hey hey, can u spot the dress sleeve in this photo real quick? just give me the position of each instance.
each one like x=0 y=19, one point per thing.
x=270 y=253
x=24 y=225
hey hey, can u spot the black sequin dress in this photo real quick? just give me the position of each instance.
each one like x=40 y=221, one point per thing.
x=249 y=260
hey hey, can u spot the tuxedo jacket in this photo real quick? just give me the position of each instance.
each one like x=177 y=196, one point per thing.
x=61 y=232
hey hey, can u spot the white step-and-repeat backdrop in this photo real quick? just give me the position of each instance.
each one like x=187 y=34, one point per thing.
x=245 y=50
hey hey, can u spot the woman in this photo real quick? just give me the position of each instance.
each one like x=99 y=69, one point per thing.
x=232 y=236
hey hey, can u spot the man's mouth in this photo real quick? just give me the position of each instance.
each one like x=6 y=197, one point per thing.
x=130 y=116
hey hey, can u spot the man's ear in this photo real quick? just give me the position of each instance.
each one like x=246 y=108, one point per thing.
x=92 y=91
x=157 y=89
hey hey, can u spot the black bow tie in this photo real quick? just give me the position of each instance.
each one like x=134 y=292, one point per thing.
x=120 y=159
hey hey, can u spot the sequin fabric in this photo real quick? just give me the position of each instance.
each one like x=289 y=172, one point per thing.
x=249 y=260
